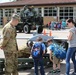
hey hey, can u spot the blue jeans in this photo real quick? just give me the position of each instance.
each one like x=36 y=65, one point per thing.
x=39 y=62
x=70 y=54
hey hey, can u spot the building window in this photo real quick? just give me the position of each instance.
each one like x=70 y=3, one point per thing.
x=8 y=13
x=1 y=17
x=39 y=11
x=66 y=12
x=50 y=11
x=18 y=10
x=74 y=14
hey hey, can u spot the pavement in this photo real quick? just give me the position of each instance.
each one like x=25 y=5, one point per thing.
x=57 y=33
x=63 y=65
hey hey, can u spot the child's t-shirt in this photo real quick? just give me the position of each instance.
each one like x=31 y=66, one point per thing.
x=52 y=47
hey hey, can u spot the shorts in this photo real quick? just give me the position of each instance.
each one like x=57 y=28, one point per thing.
x=56 y=60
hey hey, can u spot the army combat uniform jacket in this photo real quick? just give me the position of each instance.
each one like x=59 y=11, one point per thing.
x=9 y=45
x=9 y=42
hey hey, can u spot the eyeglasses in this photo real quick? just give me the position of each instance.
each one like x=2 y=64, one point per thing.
x=67 y=23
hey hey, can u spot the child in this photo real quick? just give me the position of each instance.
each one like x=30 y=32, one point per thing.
x=39 y=60
x=55 y=60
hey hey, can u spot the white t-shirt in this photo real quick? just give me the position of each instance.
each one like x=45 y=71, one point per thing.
x=72 y=43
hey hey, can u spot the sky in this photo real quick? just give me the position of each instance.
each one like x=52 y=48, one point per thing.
x=2 y=1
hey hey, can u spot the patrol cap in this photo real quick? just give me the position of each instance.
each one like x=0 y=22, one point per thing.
x=32 y=6
x=16 y=16
x=25 y=6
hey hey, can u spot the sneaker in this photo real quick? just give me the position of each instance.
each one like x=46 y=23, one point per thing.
x=53 y=71
x=58 y=70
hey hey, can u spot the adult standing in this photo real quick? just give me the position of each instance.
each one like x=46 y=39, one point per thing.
x=24 y=13
x=72 y=46
x=9 y=46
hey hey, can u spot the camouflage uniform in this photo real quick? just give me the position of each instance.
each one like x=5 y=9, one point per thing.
x=10 y=48
x=24 y=13
x=27 y=12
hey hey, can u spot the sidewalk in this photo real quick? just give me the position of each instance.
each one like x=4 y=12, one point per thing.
x=63 y=68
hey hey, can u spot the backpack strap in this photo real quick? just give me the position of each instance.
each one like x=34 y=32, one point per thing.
x=41 y=51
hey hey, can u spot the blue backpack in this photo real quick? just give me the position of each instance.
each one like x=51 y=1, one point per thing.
x=37 y=51
x=59 y=52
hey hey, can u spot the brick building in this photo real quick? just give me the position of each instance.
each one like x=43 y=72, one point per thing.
x=50 y=10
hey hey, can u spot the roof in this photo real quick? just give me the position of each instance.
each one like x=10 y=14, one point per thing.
x=37 y=2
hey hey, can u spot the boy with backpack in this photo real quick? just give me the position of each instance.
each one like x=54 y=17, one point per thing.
x=53 y=58
x=38 y=50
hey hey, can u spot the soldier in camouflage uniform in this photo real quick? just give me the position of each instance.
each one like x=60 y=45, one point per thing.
x=27 y=12
x=9 y=46
x=24 y=13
